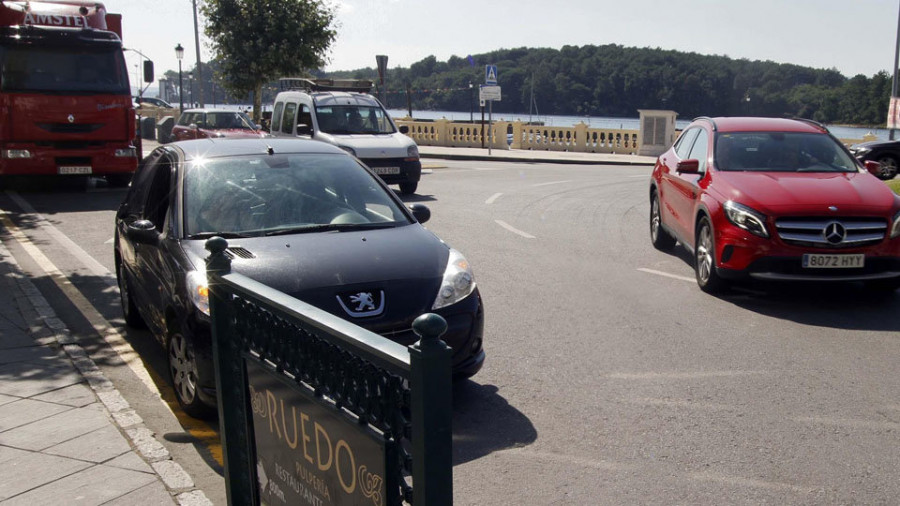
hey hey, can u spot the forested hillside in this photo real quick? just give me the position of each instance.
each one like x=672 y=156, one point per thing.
x=612 y=80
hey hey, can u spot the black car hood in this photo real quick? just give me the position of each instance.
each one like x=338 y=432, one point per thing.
x=406 y=264
x=877 y=144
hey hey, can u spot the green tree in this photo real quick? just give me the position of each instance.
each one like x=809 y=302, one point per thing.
x=258 y=41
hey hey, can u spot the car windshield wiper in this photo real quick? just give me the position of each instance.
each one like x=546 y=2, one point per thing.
x=329 y=227
x=224 y=235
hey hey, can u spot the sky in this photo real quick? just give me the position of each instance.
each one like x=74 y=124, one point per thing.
x=855 y=37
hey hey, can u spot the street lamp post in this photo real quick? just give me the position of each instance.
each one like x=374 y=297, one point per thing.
x=191 y=79
x=471 y=103
x=179 y=53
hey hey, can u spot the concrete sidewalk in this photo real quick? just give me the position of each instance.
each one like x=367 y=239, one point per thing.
x=66 y=434
x=510 y=155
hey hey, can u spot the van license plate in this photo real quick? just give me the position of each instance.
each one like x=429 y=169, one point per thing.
x=386 y=170
x=75 y=169
x=817 y=261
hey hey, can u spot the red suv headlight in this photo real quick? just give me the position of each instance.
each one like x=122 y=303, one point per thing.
x=746 y=218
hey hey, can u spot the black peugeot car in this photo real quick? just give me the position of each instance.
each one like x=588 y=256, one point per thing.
x=303 y=217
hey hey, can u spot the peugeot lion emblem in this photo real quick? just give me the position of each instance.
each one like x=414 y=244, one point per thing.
x=834 y=232
x=362 y=304
x=71 y=118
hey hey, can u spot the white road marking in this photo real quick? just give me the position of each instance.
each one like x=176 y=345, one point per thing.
x=514 y=230
x=493 y=198
x=551 y=182
x=106 y=330
x=90 y=262
x=682 y=375
x=751 y=482
x=110 y=240
x=667 y=275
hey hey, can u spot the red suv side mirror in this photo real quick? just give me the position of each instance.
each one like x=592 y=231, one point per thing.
x=873 y=167
x=690 y=166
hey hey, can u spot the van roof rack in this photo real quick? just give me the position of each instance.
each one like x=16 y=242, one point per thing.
x=305 y=84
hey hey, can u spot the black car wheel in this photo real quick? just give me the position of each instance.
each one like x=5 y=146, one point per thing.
x=408 y=188
x=185 y=376
x=129 y=309
x=705 y=259
x=658 y=236
x=888 y=167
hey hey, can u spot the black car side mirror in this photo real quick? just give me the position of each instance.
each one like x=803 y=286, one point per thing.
x=420 y=212
x=143 y=232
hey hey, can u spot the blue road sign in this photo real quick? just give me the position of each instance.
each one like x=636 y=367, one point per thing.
x=490 y=74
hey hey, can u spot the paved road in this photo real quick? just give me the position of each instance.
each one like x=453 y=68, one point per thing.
x=611 y=379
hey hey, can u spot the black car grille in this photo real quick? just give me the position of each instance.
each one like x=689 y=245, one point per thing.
x=832 y=233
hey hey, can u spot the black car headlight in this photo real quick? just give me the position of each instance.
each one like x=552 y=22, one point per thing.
x=458 y=282
x=198 y=290
x=746 y=218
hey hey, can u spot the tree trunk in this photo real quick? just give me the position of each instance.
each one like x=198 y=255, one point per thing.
x=257 y=103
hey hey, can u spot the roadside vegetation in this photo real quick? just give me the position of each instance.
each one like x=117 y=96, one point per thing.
x=894 y=184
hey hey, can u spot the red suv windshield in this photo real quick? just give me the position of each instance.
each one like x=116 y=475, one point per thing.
x=781 y=152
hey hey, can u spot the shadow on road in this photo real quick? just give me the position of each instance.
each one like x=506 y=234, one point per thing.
x=483 y=422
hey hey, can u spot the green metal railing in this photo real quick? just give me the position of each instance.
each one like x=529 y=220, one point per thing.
x=402 y=393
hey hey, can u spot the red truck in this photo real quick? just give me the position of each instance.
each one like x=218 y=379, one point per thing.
x=65 y=98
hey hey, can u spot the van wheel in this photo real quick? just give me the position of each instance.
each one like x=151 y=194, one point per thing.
x=408 y=188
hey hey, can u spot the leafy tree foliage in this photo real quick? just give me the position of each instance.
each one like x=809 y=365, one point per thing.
x=258 y=41
x=613 y=80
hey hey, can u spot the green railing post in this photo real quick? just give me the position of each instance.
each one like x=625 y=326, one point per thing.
x=230 y=383
x=432 y=413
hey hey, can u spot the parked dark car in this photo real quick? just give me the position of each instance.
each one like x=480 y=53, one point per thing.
x=777 y=200
x=301 y=216
x=212 y=124
x=887 y=153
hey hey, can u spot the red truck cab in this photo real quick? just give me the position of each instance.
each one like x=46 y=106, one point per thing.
x=64 y=92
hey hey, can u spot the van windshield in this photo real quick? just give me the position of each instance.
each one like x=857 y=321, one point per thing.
x=353 y=119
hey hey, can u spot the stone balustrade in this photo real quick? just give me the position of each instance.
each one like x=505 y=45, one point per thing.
x=518 y=135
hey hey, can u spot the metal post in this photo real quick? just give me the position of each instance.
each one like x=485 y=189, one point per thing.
x=490 y=125
x=231 y=383
x=197 y=46
x=180 y=89
x=432 y=413
x=895 y=84
x=482 y=127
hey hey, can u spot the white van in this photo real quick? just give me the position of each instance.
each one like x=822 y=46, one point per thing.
x=343 y=113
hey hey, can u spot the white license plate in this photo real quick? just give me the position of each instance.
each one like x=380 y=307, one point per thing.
x=386 y=170
x=75 y=169
x=819 y=261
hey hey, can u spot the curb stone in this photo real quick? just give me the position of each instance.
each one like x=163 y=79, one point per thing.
x=48 y=329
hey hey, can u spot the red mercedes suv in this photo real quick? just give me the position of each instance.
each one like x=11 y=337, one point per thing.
x=774 y=199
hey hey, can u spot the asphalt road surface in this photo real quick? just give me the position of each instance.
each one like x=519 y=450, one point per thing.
x=610 y=377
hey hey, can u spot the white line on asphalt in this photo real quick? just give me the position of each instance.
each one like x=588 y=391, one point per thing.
x=493 y=198
x=750 y=482
x=514 y=230
x=667 y=275
x=682 y=375
x=90 y=262
x=551 y=182
x=106 y=330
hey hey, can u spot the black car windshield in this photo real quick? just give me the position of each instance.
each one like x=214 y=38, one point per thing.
x=781 y=152
x=353 y=119
x=69 y=70
x=257 y=195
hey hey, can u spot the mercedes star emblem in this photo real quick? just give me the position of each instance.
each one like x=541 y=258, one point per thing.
x=834 y=232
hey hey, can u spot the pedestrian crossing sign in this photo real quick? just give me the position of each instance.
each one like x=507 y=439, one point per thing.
x=490 y=75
